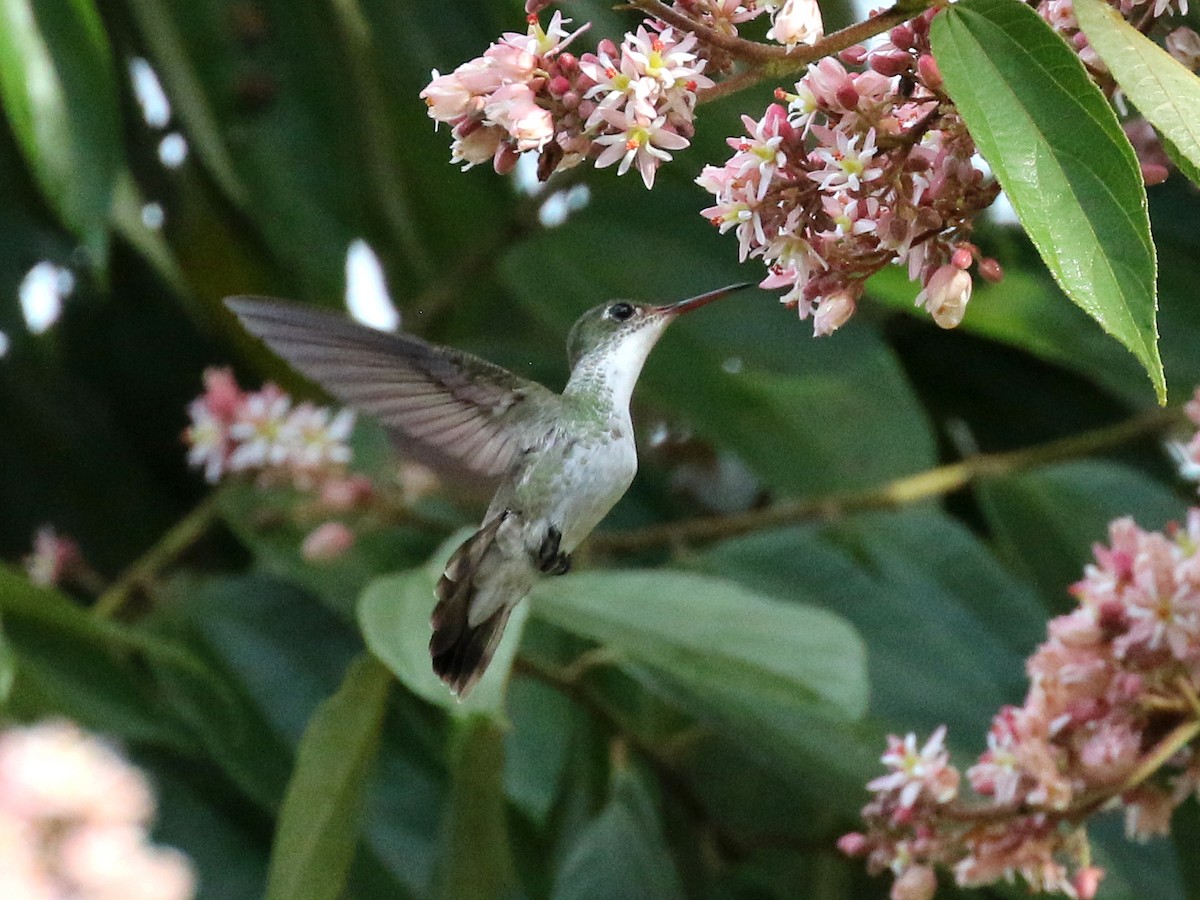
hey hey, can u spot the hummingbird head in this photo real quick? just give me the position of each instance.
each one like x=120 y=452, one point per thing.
x=603 y=329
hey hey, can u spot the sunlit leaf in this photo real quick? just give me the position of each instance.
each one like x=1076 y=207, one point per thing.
x=1165 y=92
x=59 y=94
x=318 y=824
x=394 y=612
x=1058 y=151
x=713 y=635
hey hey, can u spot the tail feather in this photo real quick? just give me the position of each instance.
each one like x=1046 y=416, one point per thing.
x=460 y=649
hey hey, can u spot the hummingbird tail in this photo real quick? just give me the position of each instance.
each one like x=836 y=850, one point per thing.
x=461 y=648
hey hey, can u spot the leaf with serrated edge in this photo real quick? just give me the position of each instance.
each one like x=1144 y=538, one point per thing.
x=1058 y=151
x=1165 y=92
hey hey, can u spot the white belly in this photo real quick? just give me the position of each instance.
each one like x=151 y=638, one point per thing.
x=574 y=491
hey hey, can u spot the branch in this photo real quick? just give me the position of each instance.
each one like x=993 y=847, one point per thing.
x=170 y=547
x=909 y=489
x=734 y=46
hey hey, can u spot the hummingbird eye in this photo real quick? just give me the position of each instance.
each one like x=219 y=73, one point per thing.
x=620 y=311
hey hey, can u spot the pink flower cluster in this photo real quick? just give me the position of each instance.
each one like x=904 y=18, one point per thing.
x=853 y=174
x=235 y=431
x=1110 y=718
x=73 y=822
x=630 y=105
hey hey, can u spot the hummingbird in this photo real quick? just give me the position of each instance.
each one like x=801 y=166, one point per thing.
x=562 y=460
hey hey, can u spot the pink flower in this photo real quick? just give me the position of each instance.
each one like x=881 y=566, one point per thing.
x=327 y=542
x=847 y=160
x=514 y=108
x=640 y=142
x=1184 y=44
x=73 y=822
x=257 y=430
x=834 y=311
x=915 y=883
x=945 y=295
x=54 y=558
x=918 y=772
x=797 y=22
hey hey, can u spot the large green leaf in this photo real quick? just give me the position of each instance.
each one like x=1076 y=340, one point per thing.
x=1046 y=521
x=59 y=94
x=70 y=663
x=621 y=855
x=714 y=637
x=946 y=627
x=474 y=860
x=1163 y=90
x=394 y=612
x=318 y=823
x=1059 y=153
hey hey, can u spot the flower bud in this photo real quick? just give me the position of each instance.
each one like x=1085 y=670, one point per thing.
x=833 y=312
x=991 y=270
x=962 y=257
x=504 y=160
x=797 y=22
x=915 y=883
x=327 y=542
x=901 y=37
x=945 y=296
x=853 y=56
x=1087 y=882
x=928 y=69
x=1154 y=173
x=846 y=96
x=1184 y=45
x=890 y=64
x=853 y=844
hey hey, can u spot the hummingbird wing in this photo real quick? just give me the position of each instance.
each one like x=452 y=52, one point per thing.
x=442 y=401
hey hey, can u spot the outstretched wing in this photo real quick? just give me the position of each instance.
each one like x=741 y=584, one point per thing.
x=445 y=402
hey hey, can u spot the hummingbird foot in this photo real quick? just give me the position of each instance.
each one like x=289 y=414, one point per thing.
x=549 y=558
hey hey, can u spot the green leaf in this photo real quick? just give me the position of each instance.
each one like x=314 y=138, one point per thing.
x=318 y=824
x=715 y=637
x=1047 y=520
x=621 y=854
x=71 y=663
x=394 y=612
x=58 y=90
x=474 y=860
x=1058 y=151
x=8 y=666
x=946 y=626
x=1165 y=92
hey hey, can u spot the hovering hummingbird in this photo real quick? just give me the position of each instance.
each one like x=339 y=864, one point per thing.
x=563 y=460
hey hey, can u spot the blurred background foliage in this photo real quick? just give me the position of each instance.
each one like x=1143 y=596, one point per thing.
x=717 y=742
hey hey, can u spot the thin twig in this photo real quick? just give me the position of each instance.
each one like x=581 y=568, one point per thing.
x=737 y=47
x=909 y=489
x=170 y=546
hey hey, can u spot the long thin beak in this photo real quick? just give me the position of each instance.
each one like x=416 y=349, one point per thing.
x=674 y=309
